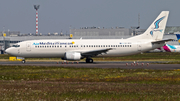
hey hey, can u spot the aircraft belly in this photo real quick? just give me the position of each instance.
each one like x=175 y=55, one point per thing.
x=43 y=54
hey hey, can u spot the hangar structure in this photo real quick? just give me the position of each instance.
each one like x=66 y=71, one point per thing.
x=8 y=38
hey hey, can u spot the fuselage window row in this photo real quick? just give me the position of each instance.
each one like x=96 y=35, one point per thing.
x=74 y=46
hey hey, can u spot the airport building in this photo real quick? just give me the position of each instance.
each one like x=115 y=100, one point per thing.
x=8 y=38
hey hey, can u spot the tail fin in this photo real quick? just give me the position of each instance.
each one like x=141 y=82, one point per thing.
x=156 y=29
x=178 y=38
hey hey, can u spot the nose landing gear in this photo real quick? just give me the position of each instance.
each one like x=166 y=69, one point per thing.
x=23 y=61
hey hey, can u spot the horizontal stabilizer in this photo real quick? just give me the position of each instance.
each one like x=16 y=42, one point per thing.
x=164 y=40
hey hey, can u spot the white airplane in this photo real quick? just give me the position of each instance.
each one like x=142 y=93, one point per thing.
x=76 y=49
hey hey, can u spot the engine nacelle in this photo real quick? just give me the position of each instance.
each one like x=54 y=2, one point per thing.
x=72 y=56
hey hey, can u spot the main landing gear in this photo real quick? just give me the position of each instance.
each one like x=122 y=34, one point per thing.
x=89 y=60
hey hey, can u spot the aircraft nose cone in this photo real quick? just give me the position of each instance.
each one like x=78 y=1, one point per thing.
x=12 y=51
x=7 y=50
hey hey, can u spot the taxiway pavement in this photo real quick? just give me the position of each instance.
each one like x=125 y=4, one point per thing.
x=123 y=65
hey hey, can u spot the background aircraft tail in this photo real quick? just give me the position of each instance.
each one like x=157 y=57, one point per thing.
x=178 y=38
x=169 y=48
x=156 y=29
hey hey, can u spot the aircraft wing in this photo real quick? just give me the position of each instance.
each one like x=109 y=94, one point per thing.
x=95 y=52
x=164 y=40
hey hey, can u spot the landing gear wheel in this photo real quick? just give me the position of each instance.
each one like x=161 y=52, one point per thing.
x=89 y=60
x=23 y=61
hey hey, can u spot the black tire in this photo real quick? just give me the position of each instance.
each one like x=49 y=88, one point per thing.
x=89 y=60
x=23 y=61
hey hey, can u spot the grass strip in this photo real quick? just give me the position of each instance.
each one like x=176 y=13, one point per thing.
x=59 y=83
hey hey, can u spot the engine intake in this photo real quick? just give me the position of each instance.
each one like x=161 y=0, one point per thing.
x=72 y=56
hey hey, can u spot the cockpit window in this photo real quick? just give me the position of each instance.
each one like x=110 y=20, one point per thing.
x=16 y=46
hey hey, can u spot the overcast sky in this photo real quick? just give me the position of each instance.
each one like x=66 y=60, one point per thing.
x=59 y=15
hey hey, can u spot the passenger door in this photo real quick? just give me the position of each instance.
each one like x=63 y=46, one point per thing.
x=18 y=51
x=28 y=46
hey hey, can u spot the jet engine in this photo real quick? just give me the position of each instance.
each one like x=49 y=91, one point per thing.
x=72 y=56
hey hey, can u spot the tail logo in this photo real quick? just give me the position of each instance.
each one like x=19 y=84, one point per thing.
x=178 y=38
x=171 y=46
x=157 y=26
